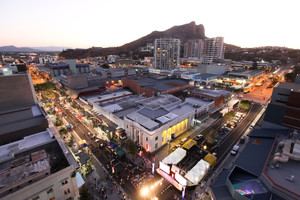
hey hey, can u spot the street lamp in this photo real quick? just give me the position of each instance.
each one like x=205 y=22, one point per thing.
x=145 y=191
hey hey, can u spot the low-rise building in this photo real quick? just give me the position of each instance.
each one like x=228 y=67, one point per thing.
x=74 y=81
x=155 y=84
x=69 y=67
x=161 y=119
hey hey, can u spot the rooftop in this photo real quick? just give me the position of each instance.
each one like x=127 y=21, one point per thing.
x=15 y=120
x=212 y=93
x=33 y=158
x=205 y=76
x=290 y=86
x=165 y=101
x=106 y=97
x=160 y=84
x=280 y=169
x=246 y=72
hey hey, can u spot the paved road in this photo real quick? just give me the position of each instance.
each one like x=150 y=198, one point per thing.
x=224 y=149
x=233 y=137
x=103 y=156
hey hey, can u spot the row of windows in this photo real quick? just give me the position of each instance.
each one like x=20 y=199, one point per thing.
x=156 y=138
x=66 y=192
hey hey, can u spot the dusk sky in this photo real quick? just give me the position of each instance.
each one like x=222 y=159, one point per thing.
x=103 y=23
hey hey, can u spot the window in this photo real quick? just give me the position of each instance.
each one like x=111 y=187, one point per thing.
x=147 y=139
x=67 y=191
x=156 y=138
x=156 y=145
x=64 y=182
x=50 y=190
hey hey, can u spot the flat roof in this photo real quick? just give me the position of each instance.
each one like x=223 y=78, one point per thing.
x=205 y=76
x=158 y=84
x=35 y=153
x=106 y=97
x=246 y=72
x=290 y=86
x=165 y=101
x=143 y=120
x=285 y=170
x=20 y=119
x=212 y=93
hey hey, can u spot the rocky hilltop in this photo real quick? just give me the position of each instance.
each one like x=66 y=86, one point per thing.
x=183 y=32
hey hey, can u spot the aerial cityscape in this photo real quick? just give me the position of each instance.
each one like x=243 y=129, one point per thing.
x=126 y=100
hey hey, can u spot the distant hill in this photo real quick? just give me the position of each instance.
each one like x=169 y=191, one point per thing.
x=51 y=48
x=12 y=48
x=183 y=32
x=17 y=49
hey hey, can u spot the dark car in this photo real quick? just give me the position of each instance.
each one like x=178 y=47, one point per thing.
x=242 y=140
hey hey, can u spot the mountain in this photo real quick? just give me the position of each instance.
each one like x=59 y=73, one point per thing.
x=51 y=48
x=17 y=49
x=183 y=32
x=12 y=48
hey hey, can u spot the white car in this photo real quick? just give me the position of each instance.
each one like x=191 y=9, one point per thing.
x=235 y=149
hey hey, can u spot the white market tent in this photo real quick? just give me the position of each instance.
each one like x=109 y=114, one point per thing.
x=175 y=157
x=196 y=174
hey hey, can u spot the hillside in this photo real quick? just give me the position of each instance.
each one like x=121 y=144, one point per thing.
x=12 y=48
x=183 y=32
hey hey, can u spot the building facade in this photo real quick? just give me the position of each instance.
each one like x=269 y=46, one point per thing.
x=213 y=49
x=166 y=53
x=193 y=48
x=33 y=163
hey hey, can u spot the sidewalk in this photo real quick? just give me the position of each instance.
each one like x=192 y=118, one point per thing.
x=101 y=185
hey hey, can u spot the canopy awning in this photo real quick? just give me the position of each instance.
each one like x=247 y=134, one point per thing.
x=196 y=174
x=211 y=159
x=175 y=157
x=189 y=144
x=112 y=145
x=79 y=116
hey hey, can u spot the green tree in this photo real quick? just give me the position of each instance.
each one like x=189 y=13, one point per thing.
x=84 y=193
x=132 y=147
x=245 y=104
x=254 y=66
x=229 y=116
x=63 y=131
x=105 y=66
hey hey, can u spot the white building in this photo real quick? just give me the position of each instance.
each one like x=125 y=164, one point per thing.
x=161 y=119
x=166 y=53
x=213 y=49
x=154 y=121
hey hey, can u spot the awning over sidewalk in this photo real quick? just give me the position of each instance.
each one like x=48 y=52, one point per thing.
x=79 y=180
x=189 y=144
x=196 y=174
x=175 y=157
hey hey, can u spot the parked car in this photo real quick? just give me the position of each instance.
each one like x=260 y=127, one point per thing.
x=235 y=149
x=242 y=140
x=198 y=137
